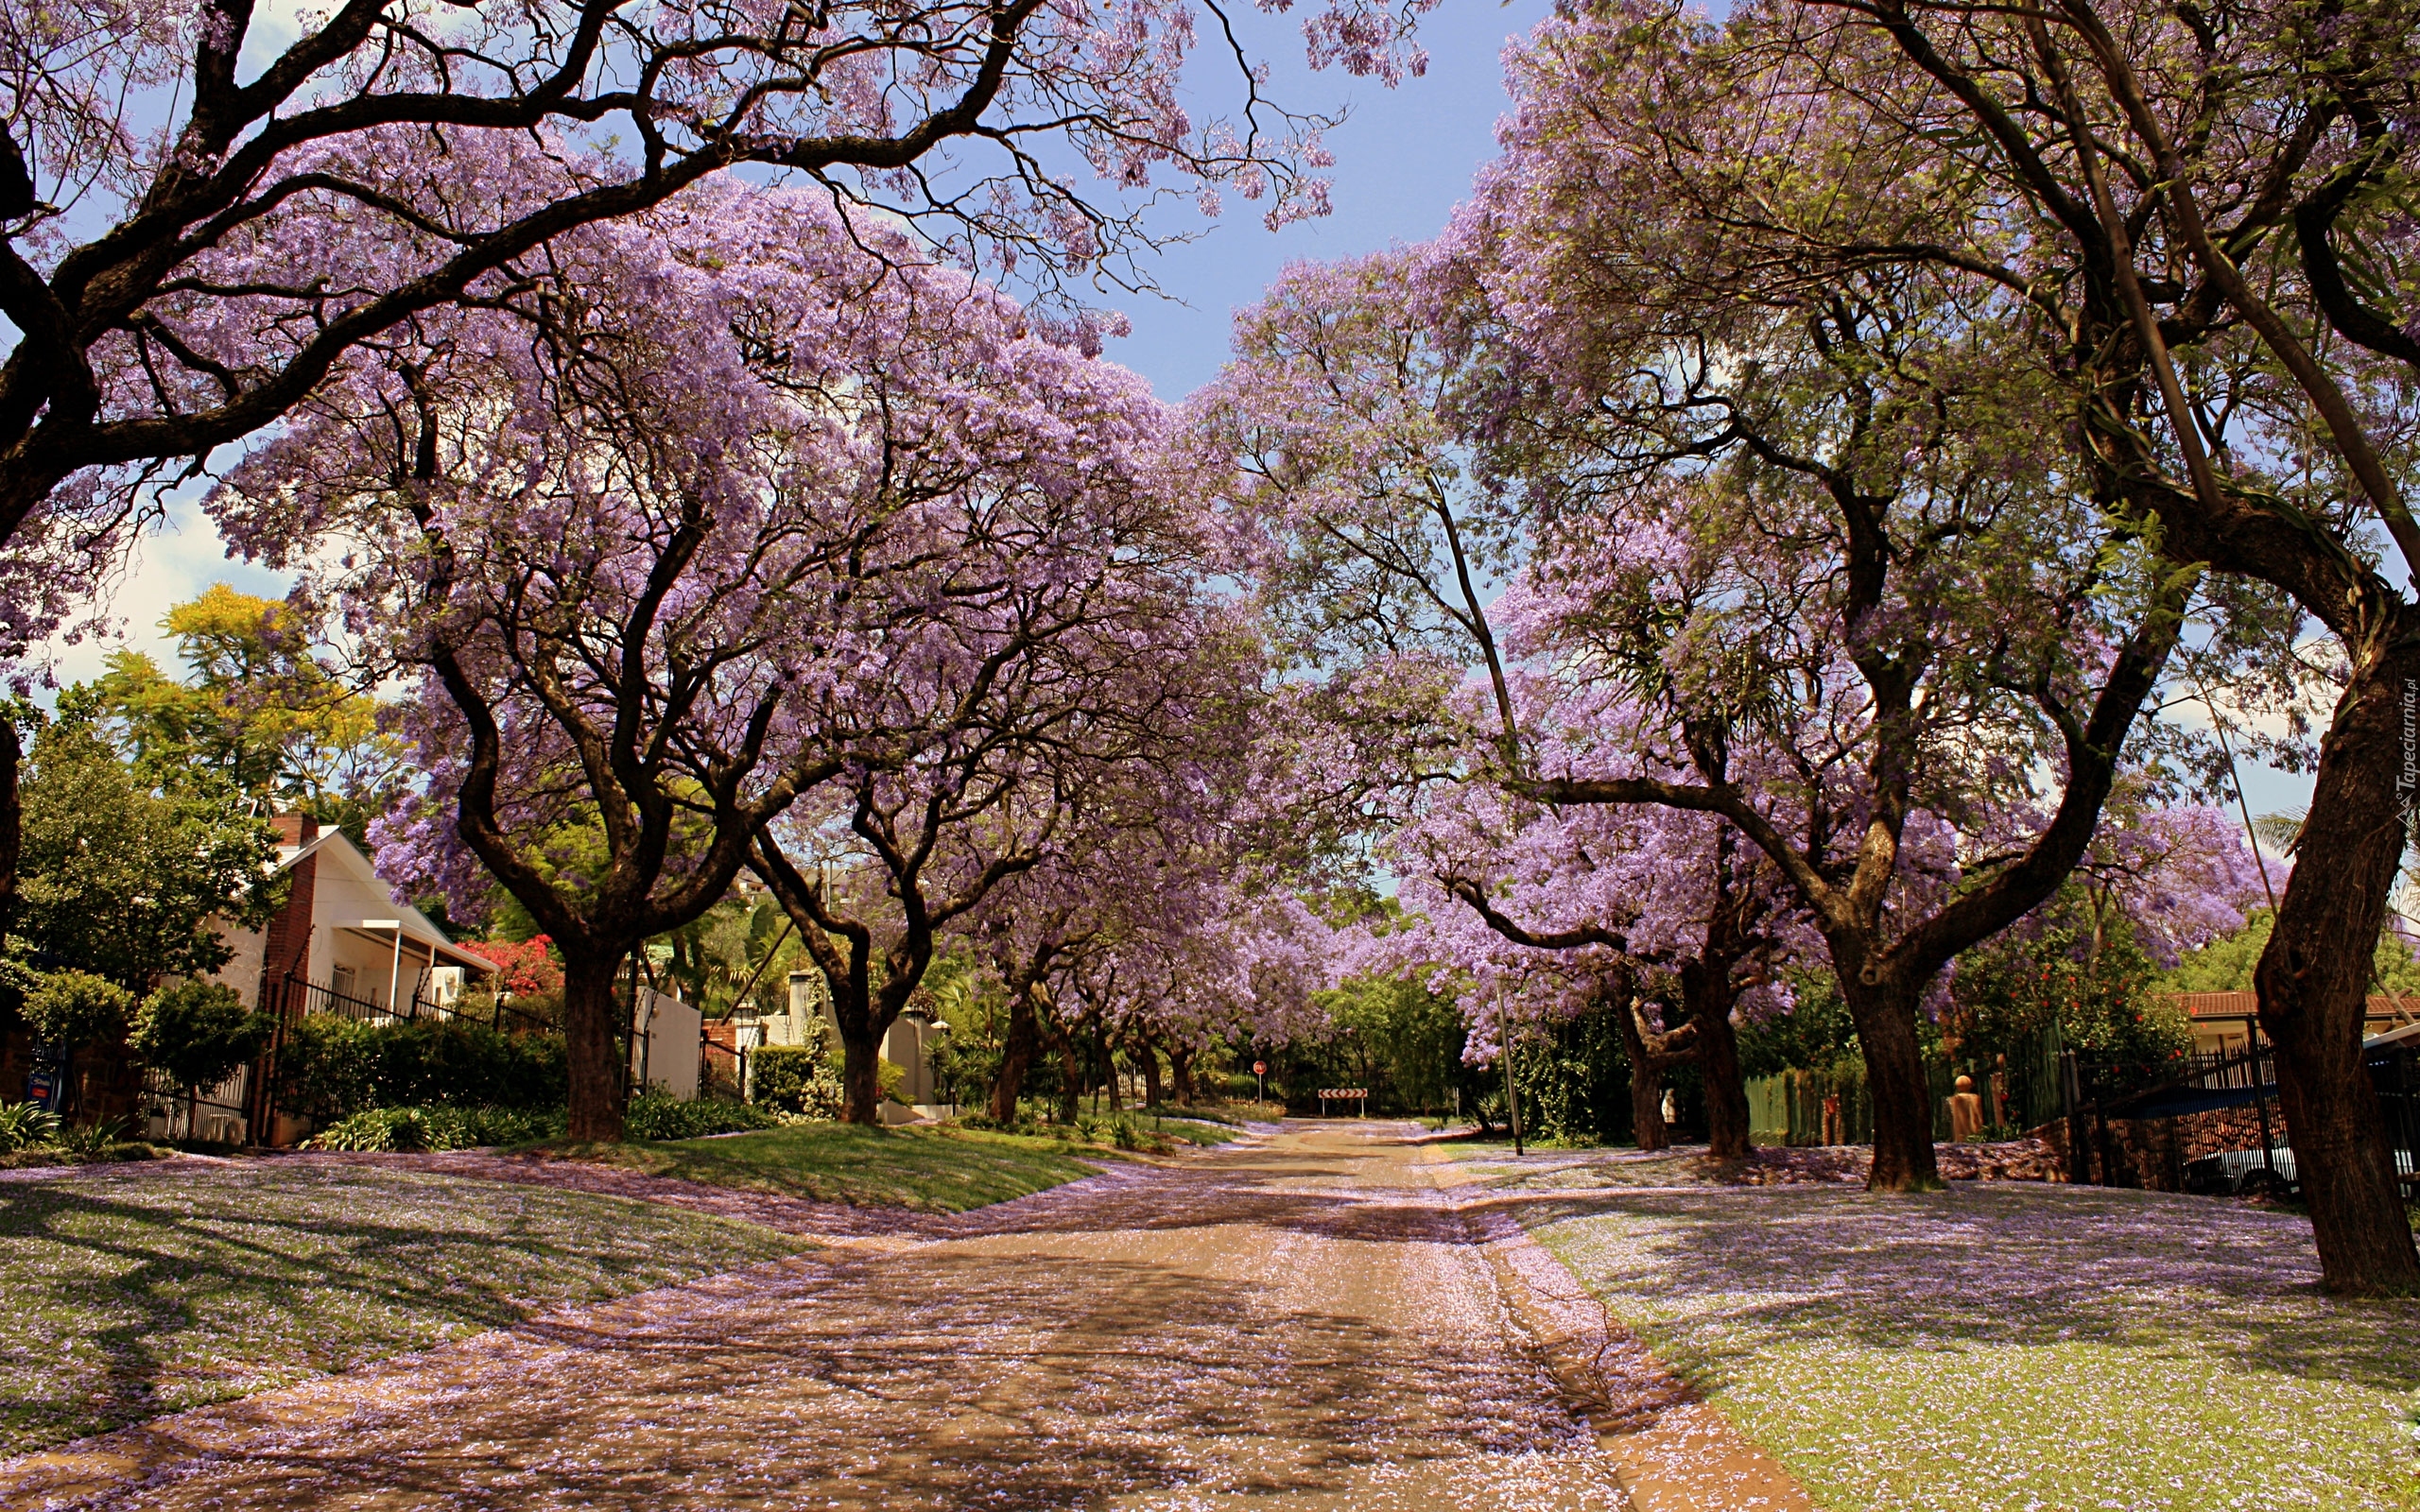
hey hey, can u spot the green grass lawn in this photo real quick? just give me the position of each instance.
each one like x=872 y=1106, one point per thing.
x=130 y=1292
x=2015 y=1348
x=1191 y=1131
x=930 y=1170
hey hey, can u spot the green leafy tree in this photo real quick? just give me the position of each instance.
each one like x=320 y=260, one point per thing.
x=196 y=1033
x=259 y=709
x=1815 y=1034
x=1394 y=1032
x=2081 y=970
x=127 y=878
x=2225 y=964
x=73 y=1008
x=70 y=1009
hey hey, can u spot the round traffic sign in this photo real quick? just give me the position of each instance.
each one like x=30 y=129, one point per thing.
x=1261 y=1068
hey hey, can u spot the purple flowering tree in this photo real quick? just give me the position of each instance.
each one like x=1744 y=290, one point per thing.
x=677 y=535
x=2189 y=229
x=1064 y=657
x=1828 y=595
x=208 y=207
x=1629 y=894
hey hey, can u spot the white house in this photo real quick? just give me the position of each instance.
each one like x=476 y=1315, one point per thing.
x=344 y=933
x=343 y=943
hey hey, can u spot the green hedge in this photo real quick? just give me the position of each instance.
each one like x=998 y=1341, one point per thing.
x=795 y=1079
x=438 y=1129
x=654 y=1115
x=331 y=1067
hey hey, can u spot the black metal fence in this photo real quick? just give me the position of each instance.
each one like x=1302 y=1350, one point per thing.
x=293 y=998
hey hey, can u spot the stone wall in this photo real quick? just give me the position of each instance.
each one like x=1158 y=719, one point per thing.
x=2122 y=1152
x=2151 y=1153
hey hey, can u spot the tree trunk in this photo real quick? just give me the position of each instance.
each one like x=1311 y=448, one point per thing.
x=1717 y=1047
x=1070 y=1077
x=1015 y=1055
x=1180 y=1075
x=860 y=1079
x=1894 y=1075
x=2314 y=981
x=1645 y=1081
x=1109 y=1074
x=591 y=1011
x=1150 y=1058
x=11 y=821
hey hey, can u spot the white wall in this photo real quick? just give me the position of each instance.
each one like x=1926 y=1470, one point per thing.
x=664 y=1053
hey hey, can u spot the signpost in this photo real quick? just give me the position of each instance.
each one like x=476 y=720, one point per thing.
x=1344 y=1094
x=1512 y=1094
x=1260 y=1086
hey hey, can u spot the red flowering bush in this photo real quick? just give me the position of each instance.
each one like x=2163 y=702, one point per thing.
x=525 y=968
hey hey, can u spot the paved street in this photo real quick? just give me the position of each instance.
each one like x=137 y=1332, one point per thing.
x=1309 y=1320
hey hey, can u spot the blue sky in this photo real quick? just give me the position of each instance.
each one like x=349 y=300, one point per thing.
x=1403 y=159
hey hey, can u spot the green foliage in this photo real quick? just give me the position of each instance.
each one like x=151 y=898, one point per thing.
x=440 y=1127
x=1816 y=1035
x=2225 y=964
x=103 y=1141
x=332 y=1067
x=126 y=878
x=658 y=1115
x=256 y=709
x=1400 y=1039
x=1574 y=1080
x=75 y=1008
x=197 y=1032
x=795 y=1079
x=27 y=1127
x=2096 y=993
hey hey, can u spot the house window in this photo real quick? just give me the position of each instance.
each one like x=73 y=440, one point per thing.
x=340 y=980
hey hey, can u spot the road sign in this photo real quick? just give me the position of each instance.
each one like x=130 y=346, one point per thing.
x=1344 y=1094
x=1261 y=1068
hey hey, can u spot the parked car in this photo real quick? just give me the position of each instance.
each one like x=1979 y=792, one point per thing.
x=2234 y=1172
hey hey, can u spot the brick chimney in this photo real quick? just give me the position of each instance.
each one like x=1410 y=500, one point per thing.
x=287 y=950
x=295 y=829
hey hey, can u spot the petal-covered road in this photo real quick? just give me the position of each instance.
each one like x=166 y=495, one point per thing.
x=1309 y=1322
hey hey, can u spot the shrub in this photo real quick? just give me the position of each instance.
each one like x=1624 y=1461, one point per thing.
x=377 y=1129
x=333 y=1068
x=198 y=1033
x=655 y=1115
x=795 y=1079
x=405 y=1129
x=27 y=1127
x=75 y=1007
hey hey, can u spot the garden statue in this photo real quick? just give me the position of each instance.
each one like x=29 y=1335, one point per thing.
x=1965 y=1111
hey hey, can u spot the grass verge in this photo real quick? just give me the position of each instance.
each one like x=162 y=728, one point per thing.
x=114 y=1153
x=127 y=1293
x=1194 y=1130
x=929 y=1170
x=2012 y=1346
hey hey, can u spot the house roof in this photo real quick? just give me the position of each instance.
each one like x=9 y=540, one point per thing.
x=348 y=893
x=2245 y=1005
